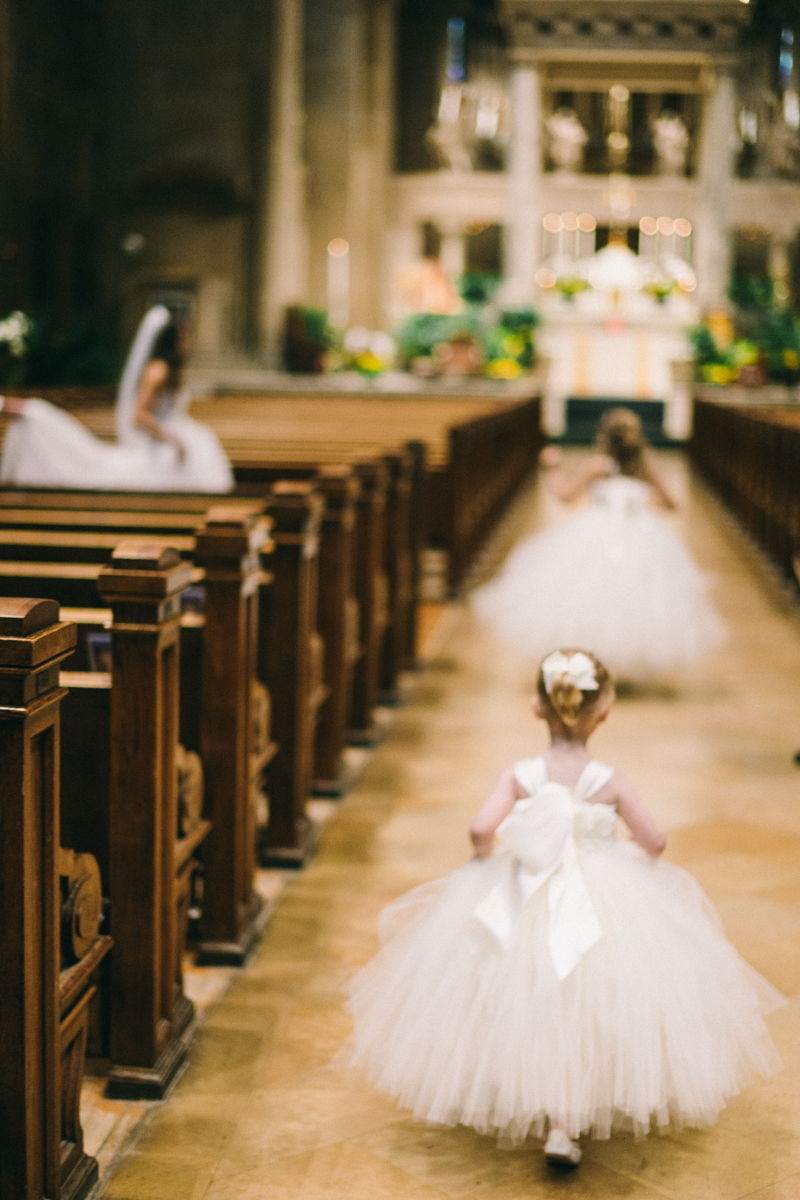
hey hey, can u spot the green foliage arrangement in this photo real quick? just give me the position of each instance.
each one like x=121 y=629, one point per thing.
x=419 y=334
x=506 y=347
x=307 y=339
x=763 y=342
x=32 y=355
x=478 y=287
x=510 y=345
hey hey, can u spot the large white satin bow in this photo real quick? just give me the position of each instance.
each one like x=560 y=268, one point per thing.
x=578 y=666
x=538 y=834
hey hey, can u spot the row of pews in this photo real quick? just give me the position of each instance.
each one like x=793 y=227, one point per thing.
x=189 y=673
x=467 y=454
x=750 y=455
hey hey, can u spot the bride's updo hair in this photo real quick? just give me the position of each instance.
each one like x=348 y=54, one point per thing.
x=619 y=435
x=565 y=698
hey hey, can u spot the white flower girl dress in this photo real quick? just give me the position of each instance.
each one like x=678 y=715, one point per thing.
x=568 y=976
x=614 y=577
x=47 y=447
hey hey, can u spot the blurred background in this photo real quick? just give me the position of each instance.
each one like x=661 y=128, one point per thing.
x=286 y=171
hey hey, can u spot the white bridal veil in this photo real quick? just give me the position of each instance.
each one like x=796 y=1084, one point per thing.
x=154 y=320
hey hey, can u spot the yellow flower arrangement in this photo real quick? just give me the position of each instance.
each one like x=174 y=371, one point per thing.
x=503 y=368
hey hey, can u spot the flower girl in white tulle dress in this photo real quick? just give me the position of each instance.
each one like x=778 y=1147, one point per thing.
x=566 y=979
x=614 y=576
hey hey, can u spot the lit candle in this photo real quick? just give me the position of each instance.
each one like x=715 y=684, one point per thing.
x=338 y=282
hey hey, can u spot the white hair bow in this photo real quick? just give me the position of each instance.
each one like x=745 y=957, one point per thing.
x=579 y=667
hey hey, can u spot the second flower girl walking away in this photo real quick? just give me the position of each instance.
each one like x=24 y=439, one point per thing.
x=614 y=576
x=566 y=981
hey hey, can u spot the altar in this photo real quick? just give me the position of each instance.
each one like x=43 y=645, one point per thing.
x=615 y=339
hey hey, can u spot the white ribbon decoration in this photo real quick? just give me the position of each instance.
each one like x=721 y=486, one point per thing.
x=538 y=834
x=579 y=667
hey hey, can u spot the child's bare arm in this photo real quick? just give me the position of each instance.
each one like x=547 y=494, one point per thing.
x=592 y=468
x=494 y=809
x=644 y=830
x=662 y=495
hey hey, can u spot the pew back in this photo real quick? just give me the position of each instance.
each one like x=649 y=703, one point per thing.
x=751 y=457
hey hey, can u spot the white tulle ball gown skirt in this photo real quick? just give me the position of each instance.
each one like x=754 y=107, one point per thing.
x=658 y=1024
x=614 y=579
x=48 y=447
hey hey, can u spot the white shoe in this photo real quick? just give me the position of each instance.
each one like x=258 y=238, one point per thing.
x=560 y=1148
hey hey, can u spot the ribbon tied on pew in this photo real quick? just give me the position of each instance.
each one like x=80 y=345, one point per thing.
x=540 y=838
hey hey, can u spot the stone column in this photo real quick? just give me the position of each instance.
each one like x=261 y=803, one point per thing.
x=524 y=185
x=780 y=267
x=284 y=279
x=715 y=187
x=348 y=137
x=370 y=165
x=453 y=251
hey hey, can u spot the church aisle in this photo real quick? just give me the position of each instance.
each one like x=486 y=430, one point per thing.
x=260 y=1114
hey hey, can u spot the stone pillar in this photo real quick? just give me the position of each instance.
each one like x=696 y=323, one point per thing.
x=285 y=270
x=348 y=137
x=452 y=253
x=524 y=185
x=370 y=168
x=780 y=267
x=715 y=186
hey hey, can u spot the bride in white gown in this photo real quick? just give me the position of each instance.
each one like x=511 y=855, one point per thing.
x=158 y=448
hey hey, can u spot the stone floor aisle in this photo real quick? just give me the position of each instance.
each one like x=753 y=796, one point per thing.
x=259 y=1115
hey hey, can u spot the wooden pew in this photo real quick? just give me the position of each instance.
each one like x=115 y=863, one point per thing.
x=377 y=518
x=149 y=863
x=145 y=1063
x=75 y=582
x=337 y=621
x=50 y=909
x=217 y=637
x=477 y=451
x=33 y=525
x=372 y=589
x=235 y=747
x=489 y=457
x=751 y=457
x=292 y=666
x=258 y=430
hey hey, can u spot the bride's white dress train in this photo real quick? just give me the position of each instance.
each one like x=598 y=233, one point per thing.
x=614 y=579
x=47 y=447
x=569 y=976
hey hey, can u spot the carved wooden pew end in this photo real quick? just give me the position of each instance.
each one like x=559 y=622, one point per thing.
x=291 y=666
x=338 y=623
x=50 y=911
x=236 y=744
x=150 y=866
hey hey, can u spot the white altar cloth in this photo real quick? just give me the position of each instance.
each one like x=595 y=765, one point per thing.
x=628 y=349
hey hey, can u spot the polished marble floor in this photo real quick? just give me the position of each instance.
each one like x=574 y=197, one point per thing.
x=260 y=1115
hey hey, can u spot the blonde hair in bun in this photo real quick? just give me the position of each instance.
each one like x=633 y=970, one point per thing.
x=569 y=702
x=620 y=436
x=567 y=699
